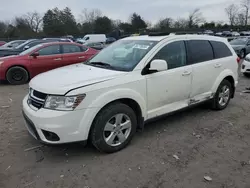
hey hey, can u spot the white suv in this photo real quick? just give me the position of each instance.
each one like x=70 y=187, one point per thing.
x=133 y=80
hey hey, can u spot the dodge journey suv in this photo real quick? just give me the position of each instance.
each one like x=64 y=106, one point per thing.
x=107 y=98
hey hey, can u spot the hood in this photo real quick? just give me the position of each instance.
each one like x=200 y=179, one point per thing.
x=60 y=81
x=8 y=57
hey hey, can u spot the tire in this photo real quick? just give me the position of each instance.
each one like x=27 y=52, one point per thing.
x=17 y=75
x=242 y=54
x=217 y=104
x=246 y=74
x=109 y=141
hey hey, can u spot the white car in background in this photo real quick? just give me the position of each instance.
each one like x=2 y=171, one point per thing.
x=245 y=66
x=106 y=99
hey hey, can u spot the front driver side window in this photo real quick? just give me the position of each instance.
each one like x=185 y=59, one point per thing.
x=174 y=54
x=50 y=50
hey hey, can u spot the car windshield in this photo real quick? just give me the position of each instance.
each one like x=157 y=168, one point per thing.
x=31 y=49
x=122 y=55
x=241 y=41
x=21 y=46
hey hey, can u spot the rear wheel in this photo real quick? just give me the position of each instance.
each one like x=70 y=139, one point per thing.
x=17 y=75
x=222 y=96
x=113 y=128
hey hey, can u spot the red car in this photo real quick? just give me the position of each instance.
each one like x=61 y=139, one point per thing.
x=41 y=58
x=2 y=43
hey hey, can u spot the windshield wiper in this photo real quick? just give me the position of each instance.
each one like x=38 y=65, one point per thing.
x=101 y=64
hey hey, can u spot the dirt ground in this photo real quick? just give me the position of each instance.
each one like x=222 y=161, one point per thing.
x=208 y=143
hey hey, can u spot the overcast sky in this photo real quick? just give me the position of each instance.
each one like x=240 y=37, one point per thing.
x=151 y=10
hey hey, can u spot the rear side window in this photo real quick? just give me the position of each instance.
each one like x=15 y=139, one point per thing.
x=71 y=49
x=49 y=50
x=220 y=49
x=199 y=51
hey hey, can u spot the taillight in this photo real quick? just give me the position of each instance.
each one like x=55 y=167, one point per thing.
x=238 y=60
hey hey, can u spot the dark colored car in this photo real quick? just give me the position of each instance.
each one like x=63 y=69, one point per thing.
x=26 y=45
x=41 y=58
x=110 y=40
x=2 y=43
x=96 y=45
x=12 y=44
x=241 y=46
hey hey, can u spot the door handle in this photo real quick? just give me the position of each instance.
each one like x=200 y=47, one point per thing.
x=217 y=65
x=58 y=59
x=82 y=57
x=186 y=73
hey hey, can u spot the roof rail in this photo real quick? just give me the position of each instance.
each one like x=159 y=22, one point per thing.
x=158 y=33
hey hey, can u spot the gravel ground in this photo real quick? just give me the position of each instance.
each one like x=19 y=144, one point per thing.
x=207 y=143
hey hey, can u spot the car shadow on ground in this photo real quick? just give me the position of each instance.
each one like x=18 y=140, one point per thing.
x=74 y=151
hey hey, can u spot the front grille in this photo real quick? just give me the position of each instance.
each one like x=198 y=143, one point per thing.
x=39 y=95
x=36 y=99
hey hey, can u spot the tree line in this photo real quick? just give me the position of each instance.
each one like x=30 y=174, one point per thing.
x=56 y=22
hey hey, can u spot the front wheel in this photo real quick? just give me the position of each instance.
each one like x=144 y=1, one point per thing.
x=222 y=96
x=113 y=128
x=17 y=75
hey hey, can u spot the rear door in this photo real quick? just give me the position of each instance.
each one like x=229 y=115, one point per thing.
x=73 y=54
x=50 y=57
x=205 y=69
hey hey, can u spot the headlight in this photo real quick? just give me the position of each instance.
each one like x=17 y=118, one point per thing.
x=63 y=103
x=247 y=59
x=1 y=62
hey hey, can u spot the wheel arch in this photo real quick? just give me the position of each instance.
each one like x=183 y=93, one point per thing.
x=225 y=75
x=23 y=66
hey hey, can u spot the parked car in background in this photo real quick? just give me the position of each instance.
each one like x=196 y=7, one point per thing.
x=41 y=58
x=110 y=40
x=58 y=39
x=245 y=33
x=235 y=34
x=226 y=33
x=14 y=51
x=135 y=79
x=27 y=45
x=208 y=32
x=245 y=66
x=241 y=46
x=97 y=46
x=93 y=38
x=219 y=34
x=2 y=43
x=12 y=44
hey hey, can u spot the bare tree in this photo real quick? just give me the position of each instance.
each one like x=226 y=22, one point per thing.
x=195 y=18
x=34 y=19
x=89 y=16
x=246 y=5
x=232 y=11
x=180 y=23
x=240 y=19
x=164 y=24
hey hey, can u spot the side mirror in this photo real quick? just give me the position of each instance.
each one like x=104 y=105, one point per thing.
x=26 y=47
x=158 y=65
x=35 y=54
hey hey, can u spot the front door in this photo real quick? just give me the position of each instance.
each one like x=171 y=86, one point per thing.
x=49 y=58
x=169 y=90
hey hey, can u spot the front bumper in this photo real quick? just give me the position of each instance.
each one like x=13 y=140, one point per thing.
x=69 y=126
x=245 y=67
